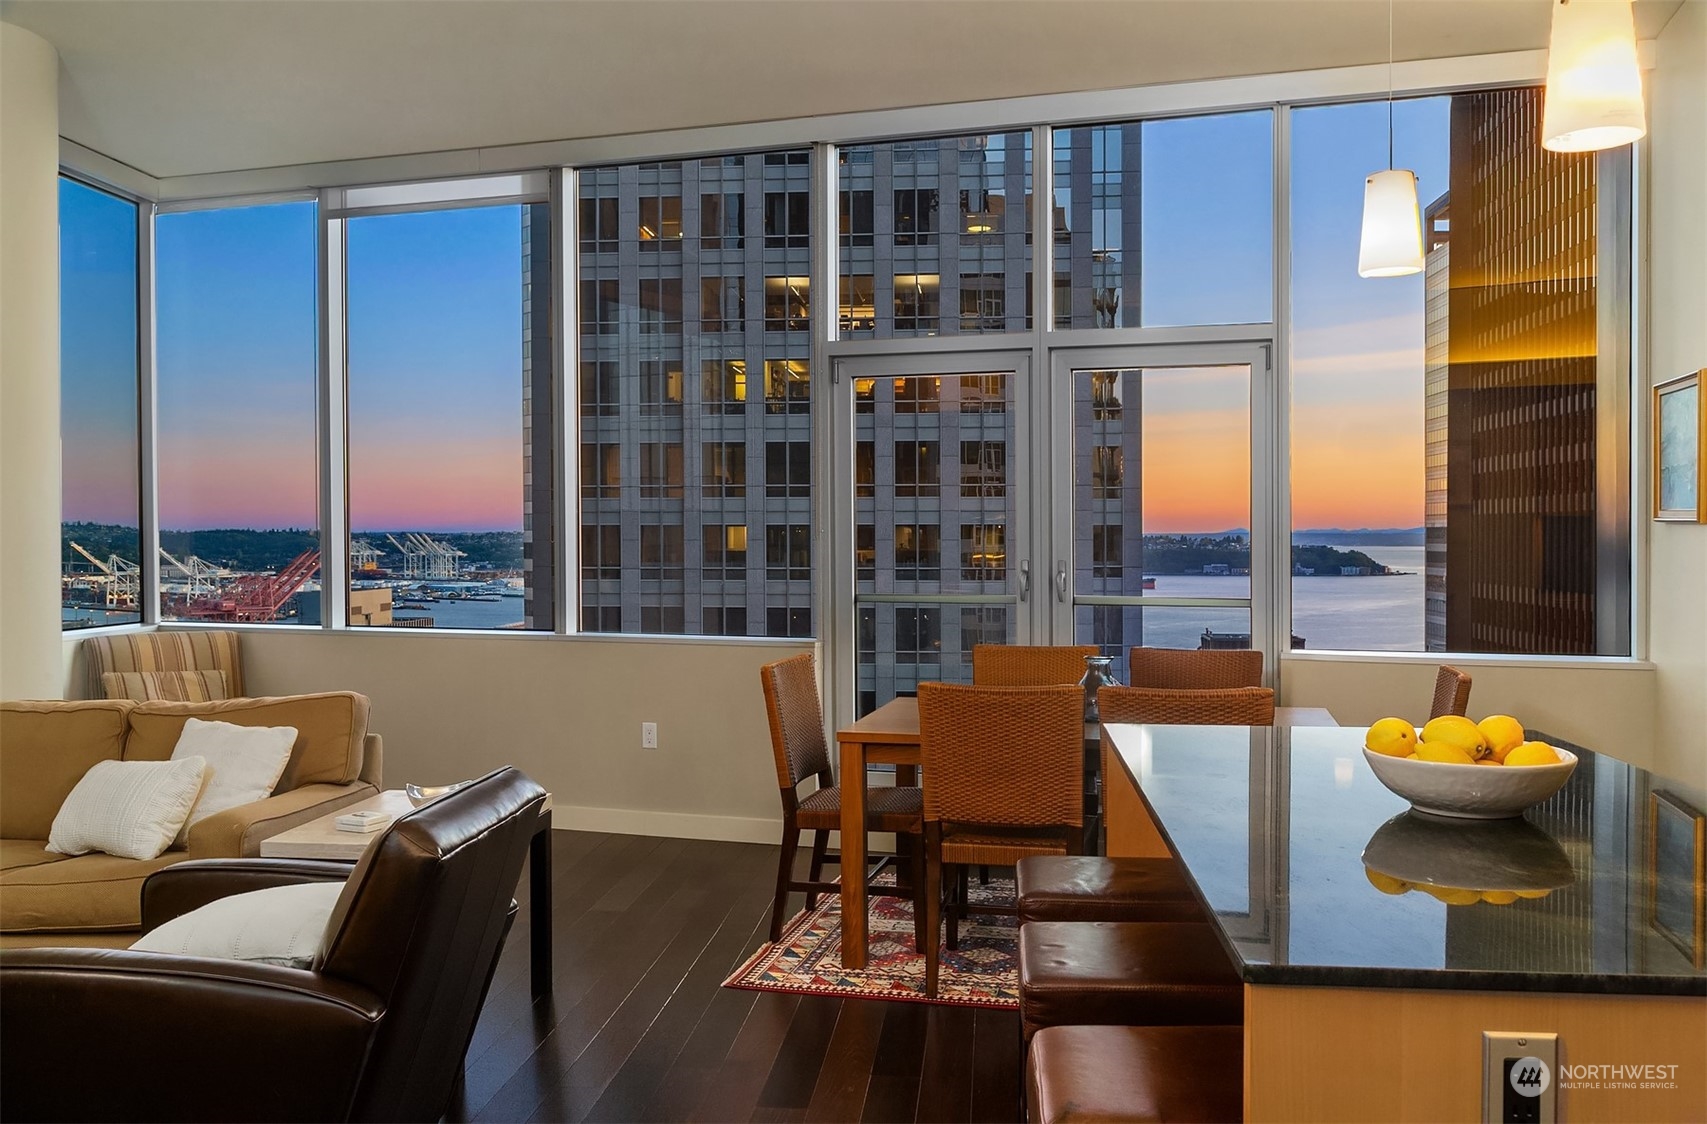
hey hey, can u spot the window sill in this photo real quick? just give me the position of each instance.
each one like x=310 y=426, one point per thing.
x=1469 y=660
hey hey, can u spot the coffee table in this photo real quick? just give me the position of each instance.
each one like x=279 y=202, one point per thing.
x=321 y=839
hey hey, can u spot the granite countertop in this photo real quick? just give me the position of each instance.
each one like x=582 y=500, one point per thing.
x=1318 y=875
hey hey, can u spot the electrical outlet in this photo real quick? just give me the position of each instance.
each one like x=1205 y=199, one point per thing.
x=1520 y=1077
x=649 y=735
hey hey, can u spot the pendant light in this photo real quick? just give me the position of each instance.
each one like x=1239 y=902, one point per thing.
x=1594 y=85
x=1391 y=245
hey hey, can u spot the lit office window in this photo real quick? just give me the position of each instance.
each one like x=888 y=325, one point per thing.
x=1165 y=223
x=450 y=415
x=101 y=509
x=935 y=236
x=1453 y=416
x=236 y=338
x=701 y=391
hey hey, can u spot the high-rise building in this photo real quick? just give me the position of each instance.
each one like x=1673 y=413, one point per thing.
x=539 y=407
x=1437 y=275
x=1521 y=373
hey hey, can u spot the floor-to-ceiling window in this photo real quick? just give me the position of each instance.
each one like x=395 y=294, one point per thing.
x=449 y=360
x=1459 y=470
x=101 y=537
x=237 y=345
x=694 y=407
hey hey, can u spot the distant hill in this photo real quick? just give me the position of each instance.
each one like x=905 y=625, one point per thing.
x=1191 y=554
x=1362 y=536
x=253 y=550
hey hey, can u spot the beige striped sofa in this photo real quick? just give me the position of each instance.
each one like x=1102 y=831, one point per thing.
x=95 y=899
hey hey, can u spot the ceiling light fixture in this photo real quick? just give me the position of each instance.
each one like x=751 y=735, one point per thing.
x=1594 y=84
x=1391 y=245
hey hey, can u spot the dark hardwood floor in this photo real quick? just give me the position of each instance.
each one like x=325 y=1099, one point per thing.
x=638 y=1028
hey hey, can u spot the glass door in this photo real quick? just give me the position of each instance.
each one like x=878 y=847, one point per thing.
x=934 y=475
x=1159 y=521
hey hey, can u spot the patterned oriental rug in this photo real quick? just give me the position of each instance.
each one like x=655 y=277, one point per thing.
x=983 y=972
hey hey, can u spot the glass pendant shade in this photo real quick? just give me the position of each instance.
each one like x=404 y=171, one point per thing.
x=1392 y=244
x=1594 y=85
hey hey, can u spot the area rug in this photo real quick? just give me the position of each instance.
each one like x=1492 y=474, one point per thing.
x=982 y=972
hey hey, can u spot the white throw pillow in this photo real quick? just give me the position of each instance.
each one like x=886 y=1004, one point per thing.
x=243 y=762
x=132 y=809
x=280 y=925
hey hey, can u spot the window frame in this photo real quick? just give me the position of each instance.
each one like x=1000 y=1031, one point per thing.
x=1280 y=92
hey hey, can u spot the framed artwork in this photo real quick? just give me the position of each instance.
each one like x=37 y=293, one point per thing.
x=1677 y=870
x=1680 y=449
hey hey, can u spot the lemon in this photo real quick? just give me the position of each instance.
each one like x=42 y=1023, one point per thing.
x=1386 y=883
x=1442 y=754
x=1393 y=736
x=1412 y=757
x=1453 y=895
x=1456 y=731
x=1488 y=761
x=1532 y=893
x=1498 y=897
x=1503 y=733
x=1532 y=753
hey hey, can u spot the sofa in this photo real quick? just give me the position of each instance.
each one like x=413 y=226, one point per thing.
x=96 y=899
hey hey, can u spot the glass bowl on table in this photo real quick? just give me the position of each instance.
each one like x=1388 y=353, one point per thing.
x=419 y=794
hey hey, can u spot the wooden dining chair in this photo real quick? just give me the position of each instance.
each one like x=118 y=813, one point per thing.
x=1021 y=665
x=1451 y=692
x=1220 y=706
x=1195 y=668
x=1003 y=779
x=797 y=741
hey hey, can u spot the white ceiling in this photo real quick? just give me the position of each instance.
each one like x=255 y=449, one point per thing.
x=180 y=87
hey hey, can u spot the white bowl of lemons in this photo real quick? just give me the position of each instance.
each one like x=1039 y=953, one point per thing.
x=1469 y=770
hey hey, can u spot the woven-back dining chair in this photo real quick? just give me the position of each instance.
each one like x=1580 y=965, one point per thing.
x=1003 y=779
x=1451 y=692
x=1222 y=706
x=797 y=742
x=1195 y=668
x=1021 y=665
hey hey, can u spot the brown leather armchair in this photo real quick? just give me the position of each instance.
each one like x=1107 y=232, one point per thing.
x=376 y=1030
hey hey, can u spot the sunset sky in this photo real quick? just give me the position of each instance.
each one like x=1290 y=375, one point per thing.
x=435 y=345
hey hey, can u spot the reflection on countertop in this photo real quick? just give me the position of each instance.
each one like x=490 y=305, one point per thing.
x=1318 y=874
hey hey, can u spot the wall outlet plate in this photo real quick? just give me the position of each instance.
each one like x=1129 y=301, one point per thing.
x=1520 y=1077
x=649 y=735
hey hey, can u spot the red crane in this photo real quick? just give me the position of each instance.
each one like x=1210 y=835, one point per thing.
x=256 y=597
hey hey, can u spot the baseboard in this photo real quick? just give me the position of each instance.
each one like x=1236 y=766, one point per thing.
x=671 y=825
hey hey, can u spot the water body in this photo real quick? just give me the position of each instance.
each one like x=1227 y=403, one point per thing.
x=1367 y=613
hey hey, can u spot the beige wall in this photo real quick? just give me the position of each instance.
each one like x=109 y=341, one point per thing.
x=566 y=712
x=1605 y=707
x=29 y=366
x=1677 y=324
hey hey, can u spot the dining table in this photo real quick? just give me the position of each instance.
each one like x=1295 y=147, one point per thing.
x=889 y=735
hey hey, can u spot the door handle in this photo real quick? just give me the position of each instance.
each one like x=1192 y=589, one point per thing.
x=1061 y=582
x=1024 y=580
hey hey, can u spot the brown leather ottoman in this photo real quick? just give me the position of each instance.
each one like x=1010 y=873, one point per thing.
x=1126 y=973
x=1089 y=888
x=1086 y=1074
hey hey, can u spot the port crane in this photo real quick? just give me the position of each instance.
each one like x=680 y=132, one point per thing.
x=364 y=558
x=255 y=597
x=122 y=579
x=425 y=557
x=203 y=575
